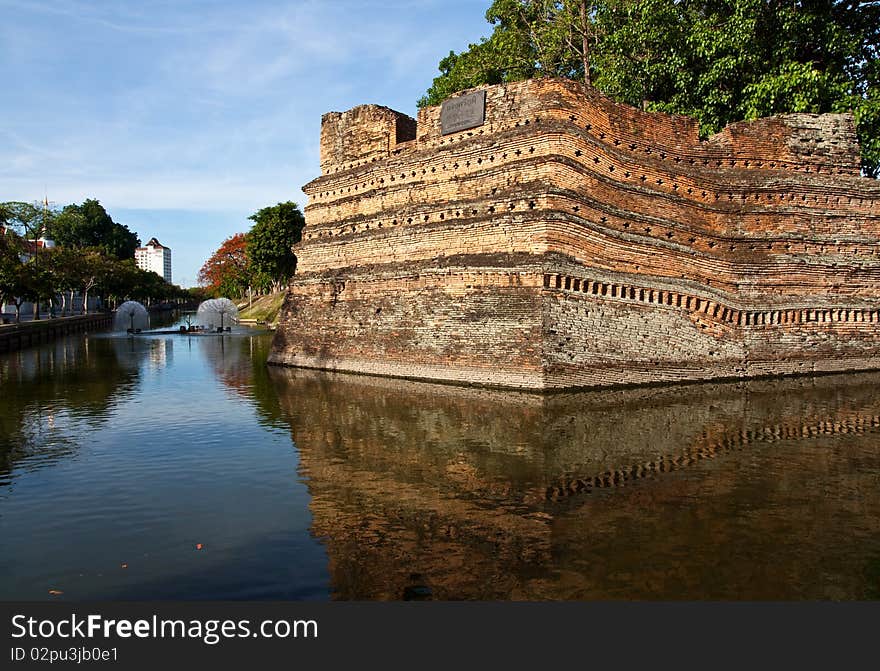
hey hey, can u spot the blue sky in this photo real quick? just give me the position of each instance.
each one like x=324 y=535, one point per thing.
x=183 y=117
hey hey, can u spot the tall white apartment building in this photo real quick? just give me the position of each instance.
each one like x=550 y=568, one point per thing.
x=156 y=257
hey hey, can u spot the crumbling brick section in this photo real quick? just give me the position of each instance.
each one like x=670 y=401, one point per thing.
x=570 y=241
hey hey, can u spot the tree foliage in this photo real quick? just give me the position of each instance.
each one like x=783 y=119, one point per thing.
x=261 y=259
x=15 y=285
x=270 y=243
x=10 y=241
x=10 y=263
x=89 y=225
x=29 y=220
x=63 y=265
x=227 y=271
x=719 y=61
x=94 y=255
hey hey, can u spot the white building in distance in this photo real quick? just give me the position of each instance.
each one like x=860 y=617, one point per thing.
x=156 y=257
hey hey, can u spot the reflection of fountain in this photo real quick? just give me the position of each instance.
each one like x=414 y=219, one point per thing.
x=132 y=317
x=130 y=353
x=219 y=313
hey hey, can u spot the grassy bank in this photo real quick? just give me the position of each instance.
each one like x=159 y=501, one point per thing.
x=264 y=309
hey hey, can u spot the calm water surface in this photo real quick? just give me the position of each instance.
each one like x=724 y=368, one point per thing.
x=174 y=467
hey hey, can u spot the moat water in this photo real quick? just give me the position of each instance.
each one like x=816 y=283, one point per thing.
x=176 y=467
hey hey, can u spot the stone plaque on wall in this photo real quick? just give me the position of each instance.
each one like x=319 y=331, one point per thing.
x=463 y=112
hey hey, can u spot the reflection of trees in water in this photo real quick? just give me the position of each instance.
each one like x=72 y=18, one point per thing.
x=134 y=353
x=70 y=381
x=484 y=493
x=239 y=362
x=229 y=358
x=52 y=396
x=166 y=318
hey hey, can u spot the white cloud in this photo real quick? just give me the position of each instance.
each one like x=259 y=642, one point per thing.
x=201 y=105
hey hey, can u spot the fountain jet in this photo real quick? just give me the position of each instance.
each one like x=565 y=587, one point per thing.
x=217 y=313
x=131 y=317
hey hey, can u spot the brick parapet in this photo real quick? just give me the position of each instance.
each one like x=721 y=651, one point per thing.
x=801 y=143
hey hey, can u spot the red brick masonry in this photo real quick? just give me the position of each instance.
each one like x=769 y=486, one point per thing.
x=571 y=241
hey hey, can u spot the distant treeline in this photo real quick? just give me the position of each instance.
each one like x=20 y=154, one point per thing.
x=94 y=255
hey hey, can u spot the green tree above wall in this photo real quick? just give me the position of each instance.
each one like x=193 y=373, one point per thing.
x=270 y=241
x=718 y=61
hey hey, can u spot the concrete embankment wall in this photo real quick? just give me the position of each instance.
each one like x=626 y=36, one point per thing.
x=27 y=334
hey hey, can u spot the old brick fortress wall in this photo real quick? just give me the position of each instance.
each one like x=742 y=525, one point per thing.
x=572 y=241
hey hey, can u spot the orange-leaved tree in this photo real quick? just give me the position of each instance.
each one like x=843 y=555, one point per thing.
x=227 y=272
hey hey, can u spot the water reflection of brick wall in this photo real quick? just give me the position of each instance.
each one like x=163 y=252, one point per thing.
x=573 y=241
x=477 y=491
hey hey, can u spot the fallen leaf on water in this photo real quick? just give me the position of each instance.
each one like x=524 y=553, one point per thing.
x=55 y=592
x=199 y=546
